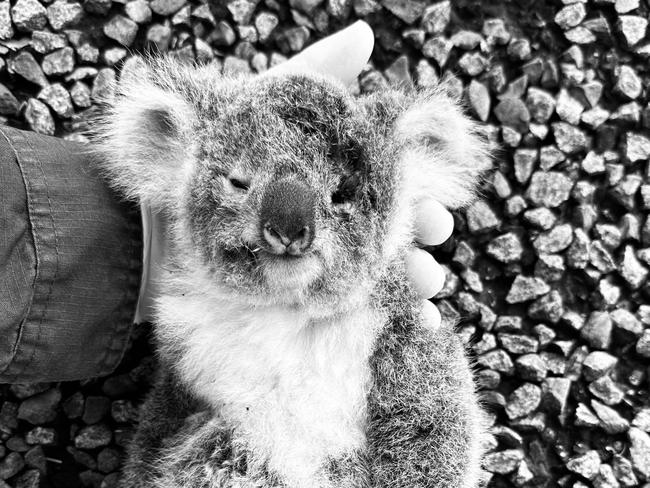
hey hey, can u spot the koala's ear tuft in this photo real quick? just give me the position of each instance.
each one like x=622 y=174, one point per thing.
x=144 y=138
x=444 y=153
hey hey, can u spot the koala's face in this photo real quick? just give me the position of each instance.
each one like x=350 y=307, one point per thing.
x=285 y=186
x=291 y=188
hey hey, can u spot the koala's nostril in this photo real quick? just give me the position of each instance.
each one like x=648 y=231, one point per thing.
x=281 y=243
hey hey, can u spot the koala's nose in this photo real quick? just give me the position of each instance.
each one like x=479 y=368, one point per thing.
x=287 y=217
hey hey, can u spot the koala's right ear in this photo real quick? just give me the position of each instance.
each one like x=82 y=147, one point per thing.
x=144 y=137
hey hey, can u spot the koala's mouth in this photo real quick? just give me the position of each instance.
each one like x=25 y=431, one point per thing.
x=282 y=271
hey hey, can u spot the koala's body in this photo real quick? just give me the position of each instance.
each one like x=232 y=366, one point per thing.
x=293 y=352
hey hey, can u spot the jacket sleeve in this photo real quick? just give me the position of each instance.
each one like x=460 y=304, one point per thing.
x=70 y=262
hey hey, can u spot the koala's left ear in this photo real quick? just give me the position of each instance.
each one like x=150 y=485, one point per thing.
x=444 y=154
x=144 y=137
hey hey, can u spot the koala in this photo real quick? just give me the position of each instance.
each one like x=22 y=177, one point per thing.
x=292 y=350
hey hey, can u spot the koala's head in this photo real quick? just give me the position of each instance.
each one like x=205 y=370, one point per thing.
x=285 y=186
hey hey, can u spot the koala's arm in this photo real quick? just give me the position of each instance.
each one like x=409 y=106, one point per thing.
x=161 y=416
x=425 y=422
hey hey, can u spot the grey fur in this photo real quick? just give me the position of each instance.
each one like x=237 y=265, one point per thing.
x=423 y=424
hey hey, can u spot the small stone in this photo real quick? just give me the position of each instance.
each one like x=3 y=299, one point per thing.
x=523 y=401
x=610 y=420
x=513 y=113
x=63 y=14
x=625 y=6
x=103 y=85
x=585 y=417
x=637 y=147
x=531 y=367
x=606 y=390
x=58 y=98
x=568 y=138
x=11 y=465
x=437 y=48
x=642 y=419
x=466 y=39
x=506 y=248
x=525 y=288
x=481 y=217
x=643 y=344
x=41 y=408
x=25 y=65
x=407 y=10
x=632 y=271
x=628 y=84
x=541 y=217
x=519 y=49
x=541 y=104
x=39 y=118
x=8 y=103
x=555 y=240
x=626 y=321
x=167 y=7
x=568 y=108
x=45 y=42
x=570 y=16
x=549 y=188
x=398 y=74
x=6 y=28
x=555 y=393
x=99 y=7
x=640 y=451
x=597 y=330
x=580 y=35
x=93 y=436
x=121 y=29
x=495 y=31
x=479 y=98
x=159 y=35
x=265 y=23
x=29 y=15
x=525 y=161
x=598 y=364
x=632 y=27
x=518 y=344
x=293 y=39
x=35 y=458
x=496 y=360
x=96 y=408
x=550 y=307
x=42 y=436
x=436 y=17
x=586 y=465
x=550 y=156
x=472 y=64
x=623 y=471
x=138 y=11
x=503 y=462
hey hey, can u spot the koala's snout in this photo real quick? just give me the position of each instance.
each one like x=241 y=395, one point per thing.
x=287 y=217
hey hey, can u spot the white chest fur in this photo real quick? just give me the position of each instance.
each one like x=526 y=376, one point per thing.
x=293 y=388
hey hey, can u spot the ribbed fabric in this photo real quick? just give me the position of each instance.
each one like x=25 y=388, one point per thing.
x=70 y=262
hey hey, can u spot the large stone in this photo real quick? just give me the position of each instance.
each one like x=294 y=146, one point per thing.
x=59 y=62
x=9 y=105
x=63 y=14
x=6 y=27
x=525 y=288
x=632 y=27
x=586 y=465
x=25 y=65
x=407 y=10
x=523 y=401
x=39 y=117
x=640 y=451
x=570 y=16
x=121 y=29
x=549 y=188
x=512 y=112
x=166 y=7
x=436 y=17
x=503 y=462
x=481 y=217
x=29 y=15
x=569 y=138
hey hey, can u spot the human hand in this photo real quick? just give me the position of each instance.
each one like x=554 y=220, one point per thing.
x=342 y=55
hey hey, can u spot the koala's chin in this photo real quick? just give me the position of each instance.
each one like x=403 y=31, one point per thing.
x=289 y=274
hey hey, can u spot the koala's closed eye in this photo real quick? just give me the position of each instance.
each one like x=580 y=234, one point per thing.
x=347 y=189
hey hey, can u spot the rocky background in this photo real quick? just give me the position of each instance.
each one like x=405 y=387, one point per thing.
x=548 y=274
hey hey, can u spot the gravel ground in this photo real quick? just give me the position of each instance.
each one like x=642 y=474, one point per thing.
x=548 y=274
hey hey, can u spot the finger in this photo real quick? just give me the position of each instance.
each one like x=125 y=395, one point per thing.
x=431 y=315
x=426 y=275
x=342 y=55
x=433 y=222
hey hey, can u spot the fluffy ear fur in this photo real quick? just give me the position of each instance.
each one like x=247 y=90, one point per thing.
x=444 y=153
x=144 y=136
